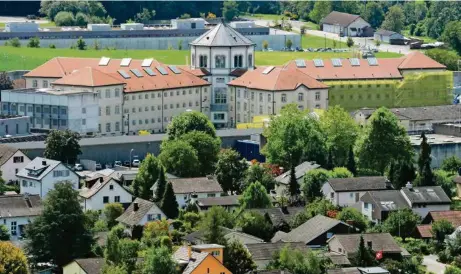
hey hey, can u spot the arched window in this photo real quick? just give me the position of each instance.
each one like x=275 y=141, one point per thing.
x=220 y=61
x=238 y=61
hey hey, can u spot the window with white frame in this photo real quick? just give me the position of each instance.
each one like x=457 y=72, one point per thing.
x=108 y=110
x=34 y=83
x=117 y=126
x=14 y=227
x=107 y=93
x=220 y=61
x=117 y=109
x=220 y=96
x=317 y=96
x=45 y=83
x=117 y=92
x=300 y=97
x=203 y=61
x=284 y=98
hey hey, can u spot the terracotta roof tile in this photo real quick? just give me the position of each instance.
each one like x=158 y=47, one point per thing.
x=88 y=77
x=418 y=60
x=453 y=216
x=424 y=231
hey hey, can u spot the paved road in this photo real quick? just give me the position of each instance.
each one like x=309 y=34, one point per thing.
x=433 y=265
x=5 y=19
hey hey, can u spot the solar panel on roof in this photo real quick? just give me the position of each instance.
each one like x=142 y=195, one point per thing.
x=150 y=71
x=125 y=62
x=162 y=70
x=137 y=73
x=318 y=62
x=104 y=61
x=300 y=63
x=124 y=74
x=147 y=62
x=268 y=70
x=336 y=62
x=372 y=61
x=354 y=62
x=175 y=69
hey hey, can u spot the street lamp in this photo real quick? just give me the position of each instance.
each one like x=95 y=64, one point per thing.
x=131 y=151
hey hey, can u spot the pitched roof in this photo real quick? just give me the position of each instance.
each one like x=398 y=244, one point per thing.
x=278 y=79
x=442 y=112
x=380 y=242
x=300 y=171
x=312 y=229
x=265 y=251
x=131 y=217
x=385 y=32
x=5 y=153
x=418 y=60
x=358 y=183
x=101 y=182
x=197 y=185
x=230 y=234
x=424 y=231
x=339 y=18
x=60 y=67
x=231 y=200
x=453 y=216
x=88 y=77
x=193 y=261
x=337 y=259
x=20 y=205
x=426 y=195
x=91 y=265
x=222 y=36
x=386 y=200
x=279 y=215
x=36 y=169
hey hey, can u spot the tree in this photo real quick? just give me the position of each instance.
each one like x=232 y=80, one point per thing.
x=169 y=205
x=112 y=252
x=148 y=174
x=289 y=43
x=425 y=153
x=394 y=20
x=145 y=16
x=230 y=10
x=451 y=164
x=230 y=170
x=154 y=231
x=349 y=42
x=158 y=260
x=224 y=217
x=62 y=221
x=237 y=258
x=4 y=233
x=384 y=140
x=350 y=214
x=161 y=184
x=313 y=182
x=351 y=165
x=364 y=255
x=34 y=42
x=5 y=81
x=81 y=44
x=401 y=223
x=401 y=172
x=265 y=45
x=373 y=14
x=81 y=19
x=321 y=10
x=2 y=184
x=293 y=185
x=440 y=229
x=255 y=196
x=128 y=250
x=452 y=270
x=113 y=269
x=12 y=259
x=212 y=226
x=292 y=137
x=256 y=224
x=189 y=121
x=445 y=181
x=207 y=148
x=179 y=158
x=452 y=36
x=112 y=211
x=185 y=16
x=62 y=145
x=446 y=57
x=259 y=173
x=377 y=43
x=340 y=172
x=64 y=18
x=297 y=261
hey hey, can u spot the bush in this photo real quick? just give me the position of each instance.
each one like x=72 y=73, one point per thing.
x=452 y=270
x=81 y=45
x=448 y=58
x=81 y=20
x=34 y=42
x=445 y=257
x=415 y=246
x=14 y=42
x=52 y=46
x=412 y=29
x=64 y=18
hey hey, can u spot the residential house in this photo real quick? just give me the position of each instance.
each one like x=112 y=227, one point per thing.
x=314 y=232
x=231 y=203
x=424 y=199
x=377 y=205
x=102 y=190
x=347 y=244
x=84 y=266
x=358 y=270
x=198 y=237
x=200 y=187
x=200 y=259
x=347 y=191
x=283 y=179
x=387 y=36
x=139 y=213
x=41 y=174
x=424 y=230
x=262 y=253
x=17 y=211
x=345 y=24
x=11 y=161
x=271 y=272
x=279 y=217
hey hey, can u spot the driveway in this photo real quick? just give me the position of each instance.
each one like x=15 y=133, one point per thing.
x=433 y=265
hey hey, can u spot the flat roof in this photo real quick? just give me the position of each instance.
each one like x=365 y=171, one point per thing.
x=435 y=139
x=50 y=91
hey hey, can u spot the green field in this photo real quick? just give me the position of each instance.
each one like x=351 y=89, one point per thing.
x=29 y=58
x=312 y=41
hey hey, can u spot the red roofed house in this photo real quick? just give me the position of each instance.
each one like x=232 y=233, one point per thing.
x=452 y=216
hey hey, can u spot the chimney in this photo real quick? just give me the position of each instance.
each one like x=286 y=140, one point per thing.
x=189 y=251
x=409 y=186
x=370 y=244
x=101 y=179
x=388 y=184
x=135 y=206
x=43 y=163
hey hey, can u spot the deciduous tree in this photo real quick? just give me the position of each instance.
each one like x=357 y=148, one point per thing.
x=373 y=14
x=207 y=148
x=4 y=233
x=350 y=214
x=212 y=226
x=313 y=182
x=255 y=224
x=158 y=260
x=260 y=173
x=112 y=211
x=179 y=158
x=237 y=258
x=321 y=10
x=230 y=170
x=5 y=81
x=401 y=223
x=451 y=164
x=189 y=121
x=297 y=262
x=440 y=229
x=394 y=20
x=146 y=177
x=255 y=196
x=230 y=10
x=12 y=259
x=63 y=145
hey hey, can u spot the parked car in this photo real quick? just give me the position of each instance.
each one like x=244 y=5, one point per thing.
x=136 y=163
x=126 y=163
x=108 y=166
x=117 y=163
x=78 y=167
x=98 y=166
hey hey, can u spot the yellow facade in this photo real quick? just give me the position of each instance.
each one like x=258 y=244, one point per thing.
x=211 y=265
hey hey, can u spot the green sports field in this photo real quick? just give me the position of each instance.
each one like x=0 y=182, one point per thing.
x=29 y=58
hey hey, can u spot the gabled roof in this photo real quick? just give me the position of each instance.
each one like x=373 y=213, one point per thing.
x=385 y=32
x=6 y=152
x=20 y=205
x=418 y=60
x=229 y=234
x=431 y=195
x=88 y=77
x=193 y=259
x=453 y=216
x=91 y=265
x=339 y=18
x=312 y=229
x=197 y=185
x=37 y=166
x=131 y=217
x=358 y=183
x=385 y=200
x=279 y=215
x=424 y=231
x=265 y=251
x=231 y=200
x=222 y=36
x=380 y=242
x=100 y=183
x=300 y=171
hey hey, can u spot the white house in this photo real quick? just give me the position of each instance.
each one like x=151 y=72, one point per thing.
x=11 y=161
x=348 y=191
x=345 y=24
x=200 y=187
x=425 y=199
x=140 y=212
x=102 y=190
x=41 y=174
x=387 y=35
x=17 y=211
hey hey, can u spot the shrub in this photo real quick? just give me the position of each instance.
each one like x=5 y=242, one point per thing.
x=412 y=29
x=52 y=46
x=14 y=42
x=34 y=42
x=64 y=18
x=81 y=20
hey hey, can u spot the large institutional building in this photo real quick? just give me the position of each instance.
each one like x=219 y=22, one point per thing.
x=111 y=97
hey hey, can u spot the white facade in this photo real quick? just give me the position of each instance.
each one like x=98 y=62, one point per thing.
x=21 y=27
x=111 y=192
x=341 y=198
x=354 y=29
x=16 y=225
x=17 y=162
x=184 y=198
x=153 y=214
x=190 y=23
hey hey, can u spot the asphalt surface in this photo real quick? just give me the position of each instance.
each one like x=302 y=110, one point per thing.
x=433 y=266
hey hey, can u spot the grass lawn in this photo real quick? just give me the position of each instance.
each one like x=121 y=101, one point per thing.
x=312 y=41
x=42 y=25
x=29 y=58
x=426 y=39
x=261 y=16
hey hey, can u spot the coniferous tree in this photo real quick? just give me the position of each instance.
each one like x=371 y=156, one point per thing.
x=169 y=205
x=293 y=185
x=426 y=177
x=161 y=184
x=364 y=256
x=330 y=162
x=212 y=225
x=351 y=165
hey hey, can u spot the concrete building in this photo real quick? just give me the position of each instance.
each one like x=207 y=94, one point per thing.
x=21 y=27
x=345 y=24
x=17 y=211
x=387 y=36
x=48 y=108
x=132 y=26
x=11 y=161
x=190 y=23
x=14 y=125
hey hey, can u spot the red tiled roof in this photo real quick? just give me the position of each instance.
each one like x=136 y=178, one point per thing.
x=424 y=231
x=197 y=72
x=453 y=216
x=88 y=77
x=60 y=66
x=418 y=60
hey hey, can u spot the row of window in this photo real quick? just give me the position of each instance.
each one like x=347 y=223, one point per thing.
x=53 y=122
x=159 y=94
x=359 y=96
x=159 y=107
x=105 y=199
x=269 y=96
x=220 y=61
x=108 y=110
x=108 y=93
x=358 y=86
x=38 y=109
x=27 y=184
x=61 y=173
x=45 y=83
